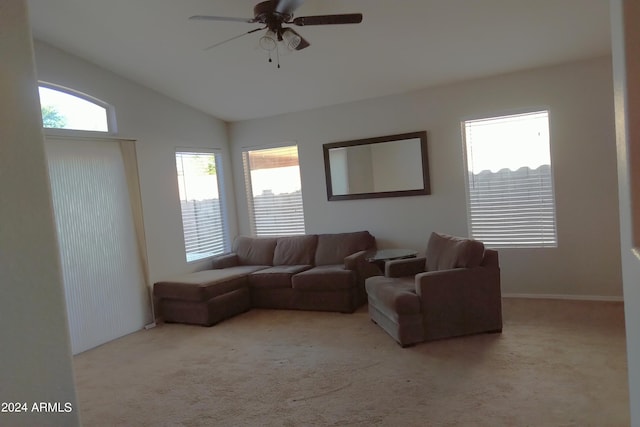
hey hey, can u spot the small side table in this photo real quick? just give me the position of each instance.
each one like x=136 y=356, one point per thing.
x=380 y=256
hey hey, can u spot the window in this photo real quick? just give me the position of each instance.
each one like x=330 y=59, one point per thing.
x=199 y=186
x=63 y=110
x=274 y=191
x=510 y=186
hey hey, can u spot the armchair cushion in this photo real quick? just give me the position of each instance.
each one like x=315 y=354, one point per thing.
x=397 y=295
x=446 y=252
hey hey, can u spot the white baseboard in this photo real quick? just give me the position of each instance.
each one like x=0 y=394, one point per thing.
x=566 y=297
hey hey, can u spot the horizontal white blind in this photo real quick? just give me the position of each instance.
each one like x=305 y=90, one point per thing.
x=274 y=191
x=202 y=207
x=510 y=187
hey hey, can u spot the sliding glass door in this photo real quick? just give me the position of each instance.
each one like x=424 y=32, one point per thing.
x=103 y=272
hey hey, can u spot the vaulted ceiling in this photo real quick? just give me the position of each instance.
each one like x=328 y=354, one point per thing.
x=400 y=46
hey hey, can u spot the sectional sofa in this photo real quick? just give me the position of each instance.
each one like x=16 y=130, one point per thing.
x=310 y=272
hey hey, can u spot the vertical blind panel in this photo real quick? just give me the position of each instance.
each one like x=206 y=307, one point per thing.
x=511 y=199
x=202 y=208
x=103 y=279
x=274 y=189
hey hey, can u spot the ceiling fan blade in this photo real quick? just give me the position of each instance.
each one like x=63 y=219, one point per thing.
x=232 y=38
x=220 y=18
x=287 y=7
x=349 y=18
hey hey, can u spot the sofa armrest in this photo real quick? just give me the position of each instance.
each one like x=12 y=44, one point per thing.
x=458 y=282
x=353 y=261
x=358 y=263
x=460 y=301
x=404 y=267
x=224 y=261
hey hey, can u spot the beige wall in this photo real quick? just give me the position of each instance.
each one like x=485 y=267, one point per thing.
x=159 y=125
x=580 y=99
x=625 y=24
x=35 y=359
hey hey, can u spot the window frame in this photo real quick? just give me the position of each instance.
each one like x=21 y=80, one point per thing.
x=467 y=171
x=250 y=199
x=219 y=163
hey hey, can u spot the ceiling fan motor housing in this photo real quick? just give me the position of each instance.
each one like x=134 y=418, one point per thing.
x=265 y=13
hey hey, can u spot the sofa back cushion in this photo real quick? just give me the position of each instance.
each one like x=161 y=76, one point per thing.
x=295 y=250
x=254 y=250
x=447 y=252
x=334 y=248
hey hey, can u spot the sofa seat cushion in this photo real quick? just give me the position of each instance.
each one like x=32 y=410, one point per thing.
x=206 y=284
x=324 y=278
x=295 y=250
x=394 y=296
x=275 y=277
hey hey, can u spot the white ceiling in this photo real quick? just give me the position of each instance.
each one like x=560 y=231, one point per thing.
x=400 y=46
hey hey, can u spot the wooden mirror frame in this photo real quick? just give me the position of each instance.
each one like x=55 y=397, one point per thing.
x=425 y=190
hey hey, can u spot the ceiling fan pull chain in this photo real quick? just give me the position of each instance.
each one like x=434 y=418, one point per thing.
x=278 y=55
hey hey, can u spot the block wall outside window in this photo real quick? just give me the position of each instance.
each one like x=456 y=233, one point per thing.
x=274 y=191
x=199 y=186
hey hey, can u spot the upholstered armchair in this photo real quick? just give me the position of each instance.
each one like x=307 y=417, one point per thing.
x=454 y=290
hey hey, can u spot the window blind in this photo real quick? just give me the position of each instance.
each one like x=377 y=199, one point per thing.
x=202 y=207
x=103 y=276
x=510 y=186
x=274 y=191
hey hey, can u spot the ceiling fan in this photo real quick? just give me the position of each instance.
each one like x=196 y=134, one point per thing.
x=273 y=14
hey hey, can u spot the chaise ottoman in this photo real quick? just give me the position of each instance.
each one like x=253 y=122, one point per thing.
x=205 y=297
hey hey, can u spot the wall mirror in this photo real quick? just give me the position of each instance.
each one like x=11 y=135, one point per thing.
x=385 y=166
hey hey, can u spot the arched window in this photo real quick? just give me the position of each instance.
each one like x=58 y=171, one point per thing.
x=62 y=109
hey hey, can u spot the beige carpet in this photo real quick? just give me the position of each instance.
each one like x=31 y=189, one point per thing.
x=557 y=363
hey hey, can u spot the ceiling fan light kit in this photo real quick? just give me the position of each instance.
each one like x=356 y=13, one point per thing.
x=293 y=40
x=272 y=14
x=269 y=41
